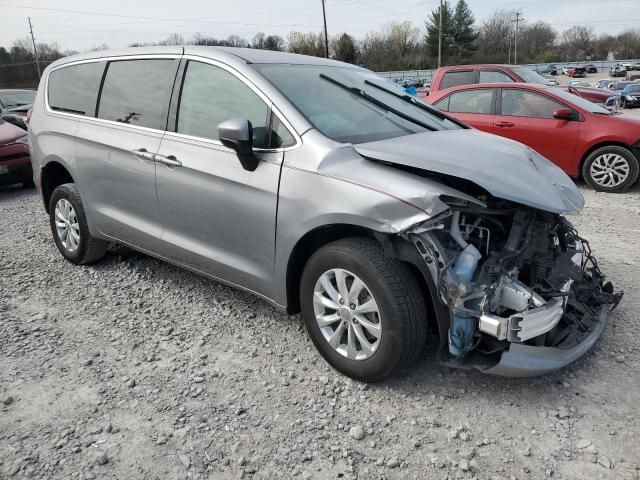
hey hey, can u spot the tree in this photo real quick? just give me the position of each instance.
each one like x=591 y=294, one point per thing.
x=496 y=37
x=344 y=48
x=535 y=42
x=462 y=35
x=577 y=42
x=433 y=33
x=274 y=42
x=236 y=41
x=174 y=39
x=402 y=37
x=307 y=43
x=258 y=40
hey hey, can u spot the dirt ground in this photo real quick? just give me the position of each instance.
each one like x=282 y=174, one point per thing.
x=135 y=369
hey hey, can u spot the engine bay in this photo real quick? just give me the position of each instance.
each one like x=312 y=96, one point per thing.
x=511 y=274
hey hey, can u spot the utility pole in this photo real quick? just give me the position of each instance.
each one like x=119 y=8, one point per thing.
x=35 y=50
x=440 y=35
x=515 y=47
x=326 y=37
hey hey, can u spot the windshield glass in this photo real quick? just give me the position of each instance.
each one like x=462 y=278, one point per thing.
x=529 y=76
x=578 y=101
x=364 y=114
x=633 y=88
x=17 y=99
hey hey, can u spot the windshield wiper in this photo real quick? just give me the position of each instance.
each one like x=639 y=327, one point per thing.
x=409 y=99
x=361 y=93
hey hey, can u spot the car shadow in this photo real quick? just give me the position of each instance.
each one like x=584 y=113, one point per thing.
x=16 y=191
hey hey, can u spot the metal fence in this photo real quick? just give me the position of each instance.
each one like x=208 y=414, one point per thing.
x=427 y=75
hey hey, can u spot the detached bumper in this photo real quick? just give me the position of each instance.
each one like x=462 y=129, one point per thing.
x=530 y=361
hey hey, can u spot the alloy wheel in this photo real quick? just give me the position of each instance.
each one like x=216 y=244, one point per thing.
x=609 y=170
x=347 y=314
x=67 y=226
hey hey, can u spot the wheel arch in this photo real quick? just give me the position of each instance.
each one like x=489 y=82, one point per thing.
x=437 y=314
x=605 y=143
x=52 y=175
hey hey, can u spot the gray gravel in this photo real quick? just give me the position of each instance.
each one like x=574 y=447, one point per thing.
x=133 y=368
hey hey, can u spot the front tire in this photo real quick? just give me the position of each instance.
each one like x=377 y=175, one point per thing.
x=69 y=227
x=610 y=169
x=364 y=312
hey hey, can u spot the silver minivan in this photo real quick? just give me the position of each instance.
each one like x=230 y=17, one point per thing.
x=323 y=189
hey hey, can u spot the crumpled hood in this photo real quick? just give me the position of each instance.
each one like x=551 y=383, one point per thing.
x=505 y=168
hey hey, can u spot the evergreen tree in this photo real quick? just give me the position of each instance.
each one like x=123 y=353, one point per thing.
x=463 y=36
x=433 y=24
x=345 y=48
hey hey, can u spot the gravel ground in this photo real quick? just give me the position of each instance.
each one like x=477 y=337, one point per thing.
x=133 y=368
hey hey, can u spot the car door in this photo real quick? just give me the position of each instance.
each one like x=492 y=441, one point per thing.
x=474 y=107
x=115 y=152
x=527 y=117
x=219 y=218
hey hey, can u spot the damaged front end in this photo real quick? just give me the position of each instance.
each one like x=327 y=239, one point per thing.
x=524 y=292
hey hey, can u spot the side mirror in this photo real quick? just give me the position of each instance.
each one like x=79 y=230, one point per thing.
x=238 y=135
x=563 y=114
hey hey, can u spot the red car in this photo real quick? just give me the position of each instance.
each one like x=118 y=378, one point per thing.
x=448 y=77
x=582 y=138
x=15 y=162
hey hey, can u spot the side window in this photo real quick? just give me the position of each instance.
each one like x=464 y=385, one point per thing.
x=74 y=89
x=520 y=103
x=493 y=76
x=138 y=92
x=458 y=77
x=443 y=104
x=471 y=101
x=211 y=95
x=280 y=135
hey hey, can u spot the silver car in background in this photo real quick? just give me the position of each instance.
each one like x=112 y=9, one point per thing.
x=321 y=188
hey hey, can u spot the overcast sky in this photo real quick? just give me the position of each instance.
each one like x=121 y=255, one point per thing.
x=82 y=24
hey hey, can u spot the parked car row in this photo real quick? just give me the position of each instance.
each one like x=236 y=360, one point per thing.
x=448 y=77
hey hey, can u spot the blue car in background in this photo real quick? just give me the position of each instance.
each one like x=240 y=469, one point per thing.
x=604 y=83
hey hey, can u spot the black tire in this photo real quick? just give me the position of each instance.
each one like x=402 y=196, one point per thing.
x=28 y=183
x=89 y=249
x=396 y=291
x=626 y=154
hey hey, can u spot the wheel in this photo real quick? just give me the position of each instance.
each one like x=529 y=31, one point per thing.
x=610 y=169
x=69 y=227
x=364 y=312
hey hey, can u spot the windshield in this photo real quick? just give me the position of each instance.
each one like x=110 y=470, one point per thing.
x=13 y=99
x=578 y=101
x=351 y=105
x=529 y=76
x=633 y=88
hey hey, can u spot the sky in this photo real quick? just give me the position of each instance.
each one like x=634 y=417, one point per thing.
x=83 y=24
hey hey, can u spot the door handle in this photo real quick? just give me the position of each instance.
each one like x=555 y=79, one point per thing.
x=503 y=124
x=170 y=161
x=143 y=154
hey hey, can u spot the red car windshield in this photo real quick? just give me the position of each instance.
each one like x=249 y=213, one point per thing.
x=579 y=101
x=529 y=76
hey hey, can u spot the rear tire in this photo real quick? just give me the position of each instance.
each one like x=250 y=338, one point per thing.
x=28 y=184
x=610 y=169
x=399 y=318
x=69 y=227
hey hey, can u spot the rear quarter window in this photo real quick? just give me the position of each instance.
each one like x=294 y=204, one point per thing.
x=74 y=89
x=456 y=78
